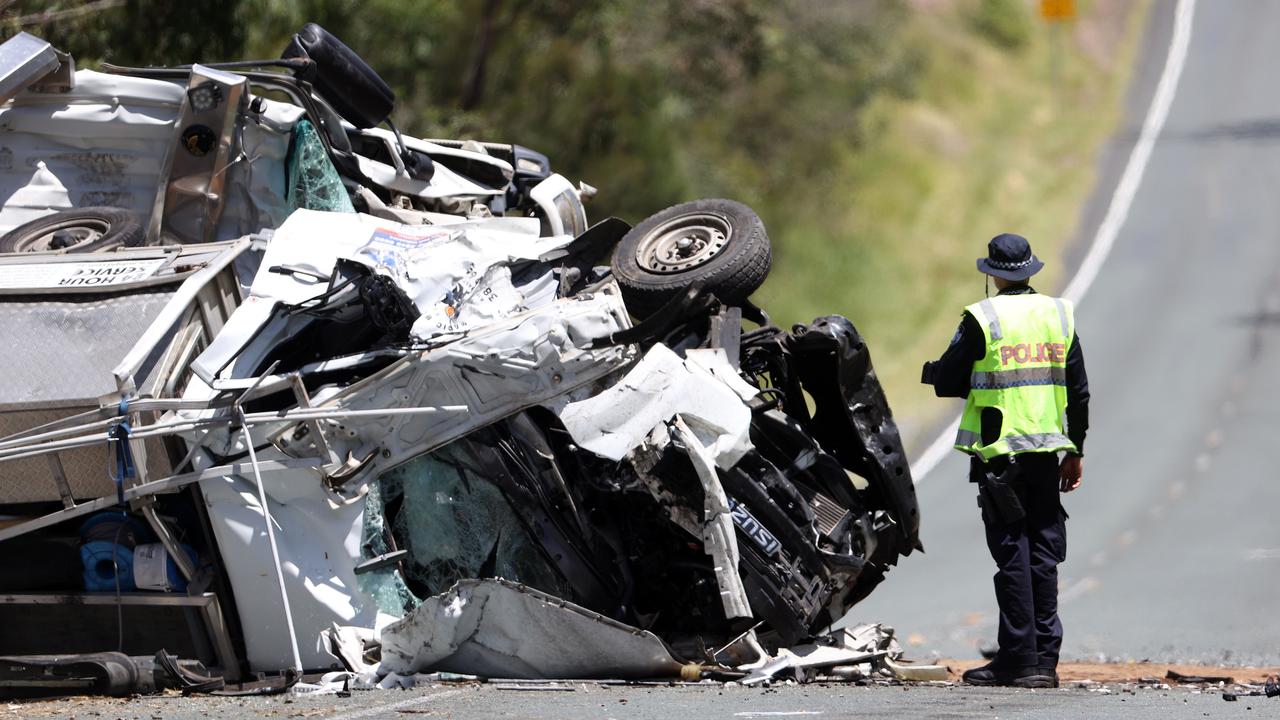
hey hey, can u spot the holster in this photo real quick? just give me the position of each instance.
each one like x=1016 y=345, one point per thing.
x=998 y=498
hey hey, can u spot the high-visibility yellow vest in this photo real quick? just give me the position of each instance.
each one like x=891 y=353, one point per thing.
x=1023 y=374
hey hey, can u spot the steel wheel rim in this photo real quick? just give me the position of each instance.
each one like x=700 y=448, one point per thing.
x=66 y=236
x=684 y=243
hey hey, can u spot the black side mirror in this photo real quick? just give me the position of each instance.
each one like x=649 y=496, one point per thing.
x=341 y=77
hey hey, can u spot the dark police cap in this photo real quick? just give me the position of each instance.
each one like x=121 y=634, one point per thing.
x=1009 y=258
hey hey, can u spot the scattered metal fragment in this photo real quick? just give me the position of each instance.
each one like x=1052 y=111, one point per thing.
x=1270 y=689
x=866 y=647
x=534 y=687
x=918 y=673
x=1176 y=676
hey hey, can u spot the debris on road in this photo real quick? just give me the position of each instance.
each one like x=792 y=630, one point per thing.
x=851 y=653
x=1178 y=677
x=917 y=673
x=1270 y=689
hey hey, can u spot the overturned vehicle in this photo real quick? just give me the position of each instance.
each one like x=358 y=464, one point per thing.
x=442 y=419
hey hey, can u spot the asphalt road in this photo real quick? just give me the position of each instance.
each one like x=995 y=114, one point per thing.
x=1174 y=550
x=716 y=702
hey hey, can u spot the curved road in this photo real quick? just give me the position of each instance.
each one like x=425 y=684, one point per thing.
x=1174 y=538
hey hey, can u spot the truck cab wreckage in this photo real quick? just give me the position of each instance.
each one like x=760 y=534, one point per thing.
x=317 y=396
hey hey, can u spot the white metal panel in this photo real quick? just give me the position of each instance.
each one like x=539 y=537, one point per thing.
x=105 y=142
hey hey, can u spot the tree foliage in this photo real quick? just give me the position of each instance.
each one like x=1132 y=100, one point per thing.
x=136 y=32
x=654 y=102
x=1004 y=22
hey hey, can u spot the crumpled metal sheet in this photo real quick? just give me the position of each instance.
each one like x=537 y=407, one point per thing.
x=493 y=371
x=105 y=141
x=497 y=629
x=718 y=536
x=459 y=276
x=255 y=189
x=857 y=645
x=444 y=183
x=705 y=400
x=703 y=388
x=319 y=547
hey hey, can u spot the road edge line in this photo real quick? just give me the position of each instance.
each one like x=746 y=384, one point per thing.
x=1117 y=210
x=375 y=710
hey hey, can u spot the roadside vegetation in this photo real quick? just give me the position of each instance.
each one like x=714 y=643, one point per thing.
x=882 y=141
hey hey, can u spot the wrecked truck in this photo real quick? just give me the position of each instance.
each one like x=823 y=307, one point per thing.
x=278 y=428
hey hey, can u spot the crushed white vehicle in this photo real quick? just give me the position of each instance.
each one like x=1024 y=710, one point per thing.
x=308 y=393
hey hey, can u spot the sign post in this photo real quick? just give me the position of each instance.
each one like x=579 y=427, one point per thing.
x=1056 y=13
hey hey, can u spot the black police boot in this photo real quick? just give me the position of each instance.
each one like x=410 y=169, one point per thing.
x=1051 y=673
x=995 y=674
x=1036 y=678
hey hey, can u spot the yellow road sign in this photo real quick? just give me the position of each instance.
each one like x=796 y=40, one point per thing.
x=1057 y=9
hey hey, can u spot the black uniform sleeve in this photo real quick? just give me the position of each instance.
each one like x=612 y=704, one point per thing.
x=953 y=370
x=1077 y=395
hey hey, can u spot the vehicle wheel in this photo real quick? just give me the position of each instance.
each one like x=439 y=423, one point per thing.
x=720 y=243
x=79 y=230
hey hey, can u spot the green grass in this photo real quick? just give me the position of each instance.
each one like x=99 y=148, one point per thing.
x=994 y=140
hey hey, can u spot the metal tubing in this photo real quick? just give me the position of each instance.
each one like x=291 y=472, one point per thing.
x=173 y=483
x=66 y=425
x=56 y=434
x=108 y=417
x=161 y=429
x=60 y=479
x=271 y=540
x=317 y=432
x=326 y=413
x=222 y=647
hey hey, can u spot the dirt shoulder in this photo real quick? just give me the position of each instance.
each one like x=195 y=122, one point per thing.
x=1140 y=672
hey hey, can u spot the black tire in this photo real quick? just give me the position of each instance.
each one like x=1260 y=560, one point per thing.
x=727 y=250
x=78 y=230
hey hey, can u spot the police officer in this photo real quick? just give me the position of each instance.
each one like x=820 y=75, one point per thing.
x=1017 y=360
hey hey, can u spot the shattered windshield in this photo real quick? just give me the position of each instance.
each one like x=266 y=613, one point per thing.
x=456 y=523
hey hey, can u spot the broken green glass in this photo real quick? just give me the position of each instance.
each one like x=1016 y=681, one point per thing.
x=385 y=585
x=314 y=183
x=457 y=524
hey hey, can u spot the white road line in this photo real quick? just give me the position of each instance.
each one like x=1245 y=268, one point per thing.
x=1121 y=200
x=1127 y=188
x=935 y=452
x=391 y=707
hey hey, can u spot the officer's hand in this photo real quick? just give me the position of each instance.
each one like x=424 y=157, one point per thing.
x=1069 y=472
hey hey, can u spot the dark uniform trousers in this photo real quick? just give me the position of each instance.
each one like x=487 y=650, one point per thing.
x=1027 y=553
